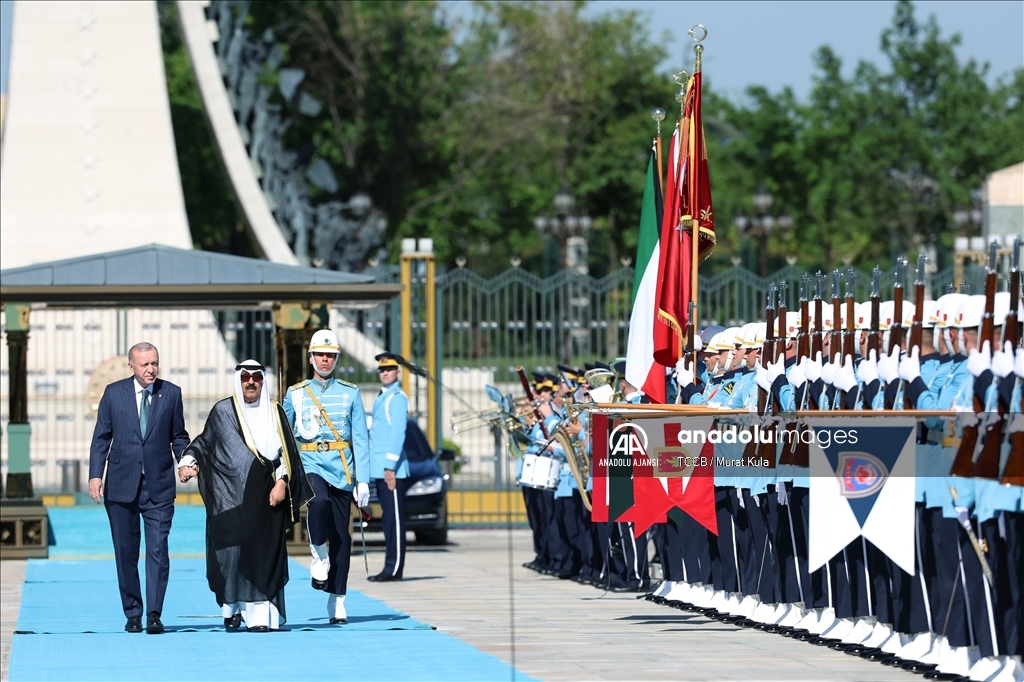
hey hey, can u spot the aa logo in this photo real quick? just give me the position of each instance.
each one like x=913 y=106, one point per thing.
x=628 y=440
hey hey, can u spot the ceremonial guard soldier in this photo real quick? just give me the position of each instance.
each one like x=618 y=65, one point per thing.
x=388 y=464
x=330 y=425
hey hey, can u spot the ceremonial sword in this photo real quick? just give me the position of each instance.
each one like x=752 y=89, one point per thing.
x=362 y=534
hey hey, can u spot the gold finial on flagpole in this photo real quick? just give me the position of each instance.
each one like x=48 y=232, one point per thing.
x=658 y=114
x=681 y=79
x=698 y=49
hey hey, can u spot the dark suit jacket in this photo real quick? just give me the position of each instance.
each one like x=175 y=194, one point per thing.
x=117 y=440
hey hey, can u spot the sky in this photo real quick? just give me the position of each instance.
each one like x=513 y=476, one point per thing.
x=773 y=43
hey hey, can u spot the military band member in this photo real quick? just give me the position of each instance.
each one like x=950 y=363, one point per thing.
x=330 y=425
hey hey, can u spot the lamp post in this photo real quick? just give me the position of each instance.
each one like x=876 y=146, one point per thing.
x=568 y=229
x=763 y=224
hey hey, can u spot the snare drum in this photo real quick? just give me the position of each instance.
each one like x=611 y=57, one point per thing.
x=526 y=474
x=543 y=474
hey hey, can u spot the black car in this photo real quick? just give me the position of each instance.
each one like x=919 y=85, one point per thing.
x=426 y=501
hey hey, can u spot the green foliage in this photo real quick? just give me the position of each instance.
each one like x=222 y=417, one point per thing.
x=215 y=221
x=875 y=164
x=457 y=449
x=465 y=132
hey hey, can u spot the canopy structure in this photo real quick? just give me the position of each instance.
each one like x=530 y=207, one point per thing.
x=165 y=276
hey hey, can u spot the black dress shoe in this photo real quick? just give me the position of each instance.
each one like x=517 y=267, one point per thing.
x=153 y=624
x=339 y=621
x=936 y=675
x=233 y=623
x=384 y=578
x=892 y=660
x=258 y=628
x=874 y=655
x=134 y=624
x=319 y=584
x=918 y=667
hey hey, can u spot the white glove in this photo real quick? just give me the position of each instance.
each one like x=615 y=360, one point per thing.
x=968 y=417
x=761 y=377
x=362 y=495
x=684 y=376
x=1015 y=424
x=797 y=377
x=775 y=370
x=963 y=515
x=844 y=379
x=910 y=365
x=888 y=365
x=813 y=368
x=698 y=343
x=867 y=370
x=1018 y=363
x=828 y=372
x=977 y=362
x=1002 y=361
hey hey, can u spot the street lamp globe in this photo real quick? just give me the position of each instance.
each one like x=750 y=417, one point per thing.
x=564 y=201
x=763 y=199
x=541 y=223
x=785 y=222
x=742 y=222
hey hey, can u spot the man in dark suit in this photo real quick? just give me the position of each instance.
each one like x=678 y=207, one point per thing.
x=139 y=436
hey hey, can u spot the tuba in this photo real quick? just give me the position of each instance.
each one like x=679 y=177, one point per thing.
x=575 y=456
x=602 y=384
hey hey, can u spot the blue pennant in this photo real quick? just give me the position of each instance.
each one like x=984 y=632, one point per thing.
x=863 y=467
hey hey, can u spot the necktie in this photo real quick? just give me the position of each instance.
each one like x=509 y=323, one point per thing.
x=144 y=413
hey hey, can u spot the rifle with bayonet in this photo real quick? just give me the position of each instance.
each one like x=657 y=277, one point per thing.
x=817 y=338
x=803 y=348
x=917 y=330
x=767 y=450
x=835 y=344
x=987 y=464
x=849 y=336
x=1013 y=471
x=970 y=443
x=766 y=351
x=874 y=330
x=690 y=349
x=896 y=329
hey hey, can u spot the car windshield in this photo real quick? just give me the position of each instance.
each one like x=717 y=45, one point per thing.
x=417 y=449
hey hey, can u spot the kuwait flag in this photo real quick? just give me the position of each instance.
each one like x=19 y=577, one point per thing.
x=641 y=370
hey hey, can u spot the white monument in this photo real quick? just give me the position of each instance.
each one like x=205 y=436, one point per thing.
x=89 y=163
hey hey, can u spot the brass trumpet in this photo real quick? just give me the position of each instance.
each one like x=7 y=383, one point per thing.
x=482 y=419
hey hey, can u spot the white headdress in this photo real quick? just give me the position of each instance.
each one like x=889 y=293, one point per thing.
x=259 y=420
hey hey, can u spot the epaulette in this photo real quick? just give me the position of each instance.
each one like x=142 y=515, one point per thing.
x=298 y=385
x=347 y=383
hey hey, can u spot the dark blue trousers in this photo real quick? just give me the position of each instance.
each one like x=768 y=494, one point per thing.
x=327 y=521
x=672 y=552
x=392 y=512
x=125 y=531
x=723 y=558
x=767 y=584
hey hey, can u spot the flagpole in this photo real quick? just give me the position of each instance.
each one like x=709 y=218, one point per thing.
x=698 y=51
x=658 y=114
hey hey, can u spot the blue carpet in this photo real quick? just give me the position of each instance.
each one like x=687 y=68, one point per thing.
x=91 y=586
x=85 y=532
x=75 y=602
